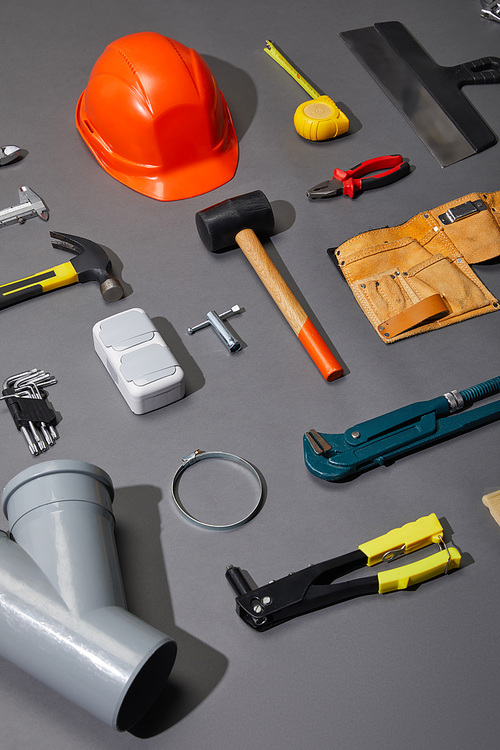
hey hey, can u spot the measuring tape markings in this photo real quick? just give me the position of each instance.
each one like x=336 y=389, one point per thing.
x=286 y=64
x=316 y=120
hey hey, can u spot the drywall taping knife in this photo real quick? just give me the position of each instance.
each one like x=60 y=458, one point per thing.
x=318 y=119
x=427 y=94
x=380 y=441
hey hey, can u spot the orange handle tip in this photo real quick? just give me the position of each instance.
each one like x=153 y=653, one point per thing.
x=319 y=352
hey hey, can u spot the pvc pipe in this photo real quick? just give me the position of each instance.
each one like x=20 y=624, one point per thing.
x=63 y=616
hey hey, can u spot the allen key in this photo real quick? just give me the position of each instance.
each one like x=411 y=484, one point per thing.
x=27 y=403
x=215 y=321
x=32 y=384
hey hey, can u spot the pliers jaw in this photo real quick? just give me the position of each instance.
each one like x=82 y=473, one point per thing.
x=326 y=189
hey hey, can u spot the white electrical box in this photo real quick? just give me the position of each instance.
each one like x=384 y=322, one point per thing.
x=144 y=369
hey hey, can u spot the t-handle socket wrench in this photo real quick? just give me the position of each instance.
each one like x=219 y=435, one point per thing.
x=225 y=335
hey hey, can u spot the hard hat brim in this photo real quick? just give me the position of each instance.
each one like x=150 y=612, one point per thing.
x=169 y=185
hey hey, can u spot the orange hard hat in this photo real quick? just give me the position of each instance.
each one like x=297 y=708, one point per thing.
x=155 y=119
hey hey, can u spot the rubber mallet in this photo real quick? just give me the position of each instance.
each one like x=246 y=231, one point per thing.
x=236 y=222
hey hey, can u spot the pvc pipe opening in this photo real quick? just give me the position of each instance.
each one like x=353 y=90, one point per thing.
x=146 y=687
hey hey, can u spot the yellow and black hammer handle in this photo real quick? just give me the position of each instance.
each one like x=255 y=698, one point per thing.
x=34 y=286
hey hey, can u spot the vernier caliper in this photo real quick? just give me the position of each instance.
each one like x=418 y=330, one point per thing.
x=30 y=204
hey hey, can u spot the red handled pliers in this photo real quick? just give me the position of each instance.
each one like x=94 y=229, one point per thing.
x=354 y=180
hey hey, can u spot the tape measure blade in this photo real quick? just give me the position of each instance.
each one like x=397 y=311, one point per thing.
x=283 y=61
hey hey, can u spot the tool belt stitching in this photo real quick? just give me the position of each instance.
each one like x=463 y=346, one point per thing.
x=427 y=228
x=400 y=242
x=369 y=311
x=467 y=271
x=405 y=230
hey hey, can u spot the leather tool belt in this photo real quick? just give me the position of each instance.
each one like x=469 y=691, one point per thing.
x=417 y=276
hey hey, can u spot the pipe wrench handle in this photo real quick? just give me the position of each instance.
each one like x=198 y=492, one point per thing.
x=33 y=286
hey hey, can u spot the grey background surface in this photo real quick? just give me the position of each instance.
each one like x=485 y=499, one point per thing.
x=411 y=669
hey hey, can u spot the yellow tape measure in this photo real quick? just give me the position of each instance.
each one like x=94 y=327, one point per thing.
x=318 y=119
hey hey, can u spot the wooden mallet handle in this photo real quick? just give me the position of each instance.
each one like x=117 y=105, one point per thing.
x=291 y=309
x=238 y=221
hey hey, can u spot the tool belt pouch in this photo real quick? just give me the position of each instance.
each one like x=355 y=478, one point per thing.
x=417 y=277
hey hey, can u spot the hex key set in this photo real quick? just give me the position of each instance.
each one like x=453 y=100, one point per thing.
x=26 y=398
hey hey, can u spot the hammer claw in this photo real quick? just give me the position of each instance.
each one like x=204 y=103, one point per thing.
x=70 y=242
x=90 y=263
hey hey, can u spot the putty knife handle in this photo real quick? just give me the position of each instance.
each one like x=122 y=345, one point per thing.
x=482 y=70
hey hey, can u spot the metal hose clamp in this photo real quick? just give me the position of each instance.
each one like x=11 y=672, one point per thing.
x=199 y=455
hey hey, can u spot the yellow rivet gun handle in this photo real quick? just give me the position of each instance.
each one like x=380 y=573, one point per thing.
x=396 y=579
x=410 y=537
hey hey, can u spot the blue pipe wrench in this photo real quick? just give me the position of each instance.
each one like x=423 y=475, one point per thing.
x=380 y=441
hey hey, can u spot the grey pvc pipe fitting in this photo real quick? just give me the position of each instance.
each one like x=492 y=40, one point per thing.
x=63 y=616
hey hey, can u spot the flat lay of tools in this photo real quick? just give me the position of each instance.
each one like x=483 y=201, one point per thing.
x=154 y=119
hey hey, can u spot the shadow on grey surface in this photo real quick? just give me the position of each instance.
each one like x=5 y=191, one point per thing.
x=239 y=92
x=354 y=124
x=194 y=380
x=198 y=668
x=284 y=218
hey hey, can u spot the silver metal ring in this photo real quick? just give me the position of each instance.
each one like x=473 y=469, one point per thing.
x=199 y=455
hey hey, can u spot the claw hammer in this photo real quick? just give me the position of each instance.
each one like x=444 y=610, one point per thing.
x=89 y=264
